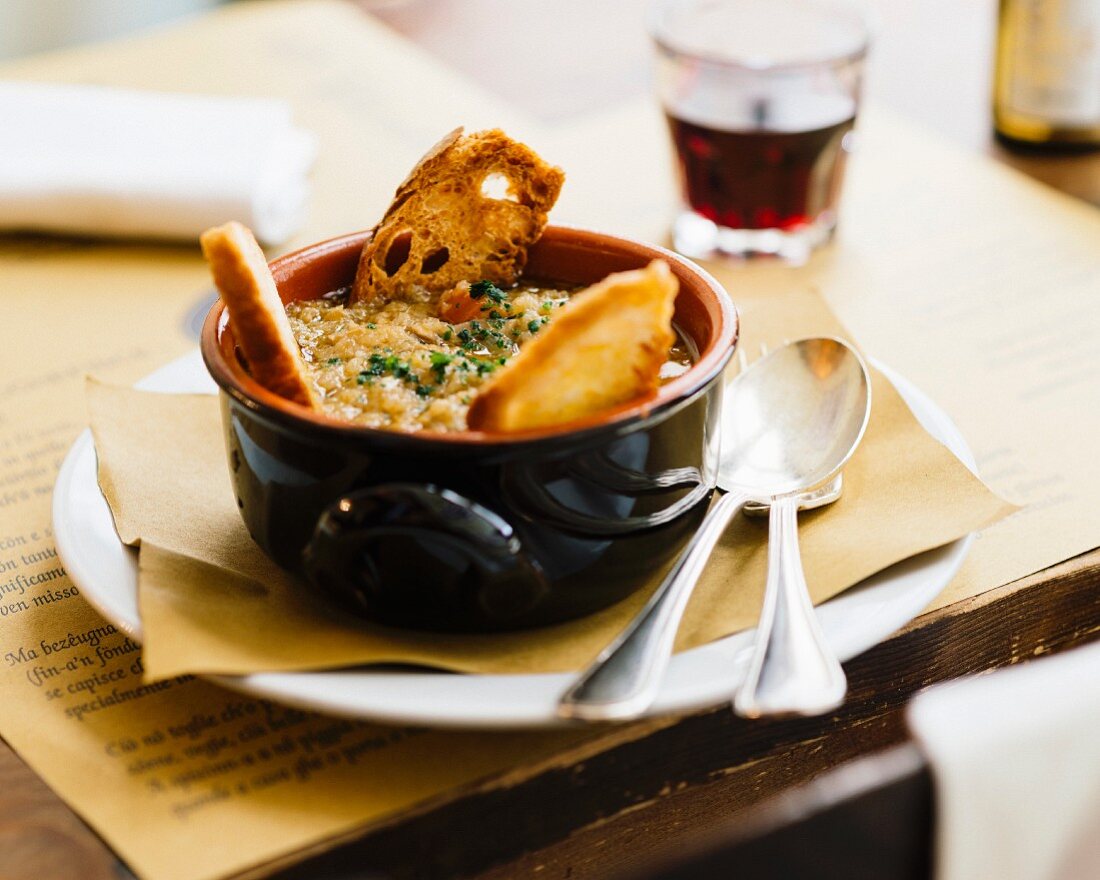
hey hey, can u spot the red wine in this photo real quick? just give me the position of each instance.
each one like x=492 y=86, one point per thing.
x=760 y=179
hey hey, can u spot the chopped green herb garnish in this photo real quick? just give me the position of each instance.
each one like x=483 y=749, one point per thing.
x=546 y=307
x=390 y=363
x=372 y=326
x=533 y=326
x=447 y=334
x=424 y=390
x=483 y=366
x=480 y=332
x=332 y=362
x=439 y=363
x=487 y=289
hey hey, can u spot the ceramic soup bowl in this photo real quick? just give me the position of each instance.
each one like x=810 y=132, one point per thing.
x=475 y=531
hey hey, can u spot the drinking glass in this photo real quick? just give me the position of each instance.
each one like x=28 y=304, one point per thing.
x=761 y=97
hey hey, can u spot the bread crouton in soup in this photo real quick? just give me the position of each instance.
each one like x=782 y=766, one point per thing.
x=605 y=348
x=260 y=323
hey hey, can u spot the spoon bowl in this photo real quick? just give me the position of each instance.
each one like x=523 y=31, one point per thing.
x=793 y=420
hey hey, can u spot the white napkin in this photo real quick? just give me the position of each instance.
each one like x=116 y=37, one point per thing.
x=1016 y=760
x=107 y=162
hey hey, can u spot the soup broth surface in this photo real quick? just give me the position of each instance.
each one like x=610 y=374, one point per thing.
x=397 y=365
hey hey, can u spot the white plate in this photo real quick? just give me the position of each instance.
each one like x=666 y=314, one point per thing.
x=106 y=573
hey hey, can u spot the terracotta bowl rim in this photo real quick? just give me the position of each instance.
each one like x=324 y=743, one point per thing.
x=232 y=378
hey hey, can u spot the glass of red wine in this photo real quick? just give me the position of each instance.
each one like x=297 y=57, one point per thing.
x=761 y=99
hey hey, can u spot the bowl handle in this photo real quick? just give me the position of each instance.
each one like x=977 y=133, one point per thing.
x=422 y=556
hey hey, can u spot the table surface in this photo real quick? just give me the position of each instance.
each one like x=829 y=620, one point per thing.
x=932 y=62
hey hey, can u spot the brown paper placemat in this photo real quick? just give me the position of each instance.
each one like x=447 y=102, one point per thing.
x=212 y=602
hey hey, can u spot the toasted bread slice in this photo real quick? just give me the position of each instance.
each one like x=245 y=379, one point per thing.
x=443 y=228
x=257 y=314
x=604 y=348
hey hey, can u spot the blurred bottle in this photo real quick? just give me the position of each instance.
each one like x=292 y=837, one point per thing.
x=1046 y=93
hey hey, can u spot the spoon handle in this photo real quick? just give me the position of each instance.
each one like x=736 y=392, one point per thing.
x=623 y=680
x=792 y=670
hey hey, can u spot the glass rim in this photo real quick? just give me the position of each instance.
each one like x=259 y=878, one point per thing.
x=658 y=7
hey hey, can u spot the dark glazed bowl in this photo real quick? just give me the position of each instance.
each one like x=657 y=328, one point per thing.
x=475 y=531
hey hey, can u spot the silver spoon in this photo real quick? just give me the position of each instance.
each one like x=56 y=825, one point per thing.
x=789 y=424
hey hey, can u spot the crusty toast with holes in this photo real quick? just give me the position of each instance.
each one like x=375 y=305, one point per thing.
x=256 y=313
x=445 y=225
x=604 y=348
